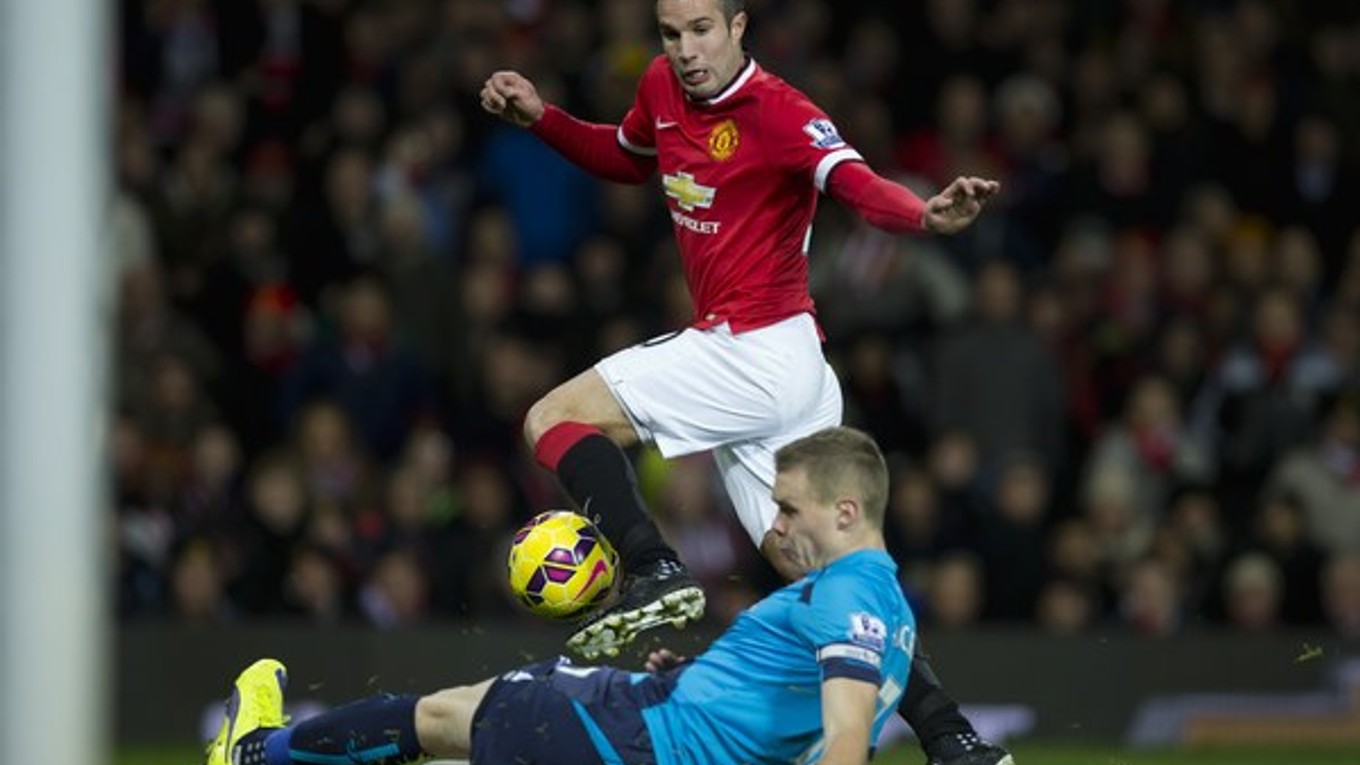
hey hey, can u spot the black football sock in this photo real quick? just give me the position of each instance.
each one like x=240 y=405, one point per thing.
x=925 y=706
x=380 y=730
x=600 y=478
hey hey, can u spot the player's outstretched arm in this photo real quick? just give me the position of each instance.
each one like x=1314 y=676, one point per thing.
x=953 y=209
x=594 y=148
x=847 y=720
x=893 y=207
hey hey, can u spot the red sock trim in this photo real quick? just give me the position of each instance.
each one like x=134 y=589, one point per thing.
x=558 y=439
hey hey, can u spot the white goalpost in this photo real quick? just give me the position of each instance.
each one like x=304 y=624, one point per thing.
x=56 y=72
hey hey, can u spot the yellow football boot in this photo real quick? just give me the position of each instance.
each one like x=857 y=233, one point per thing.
x=256 y=702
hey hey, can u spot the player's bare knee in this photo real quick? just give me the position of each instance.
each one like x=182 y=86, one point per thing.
x=544 y=414
x=443 y=723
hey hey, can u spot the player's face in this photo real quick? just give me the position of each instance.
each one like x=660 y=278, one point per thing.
x=703 y=48
x=805 y=527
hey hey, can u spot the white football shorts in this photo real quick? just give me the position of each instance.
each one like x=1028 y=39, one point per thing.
x=740 y=396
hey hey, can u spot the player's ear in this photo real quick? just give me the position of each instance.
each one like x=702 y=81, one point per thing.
x=847 y=512
x=737 y=26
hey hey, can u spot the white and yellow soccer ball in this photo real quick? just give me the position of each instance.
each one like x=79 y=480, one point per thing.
x=561 y=565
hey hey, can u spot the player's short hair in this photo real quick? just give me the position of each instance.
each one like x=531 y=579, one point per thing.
x=839 y=460
x=731 y=8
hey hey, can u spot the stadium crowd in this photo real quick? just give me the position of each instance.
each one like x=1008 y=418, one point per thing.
x=1128 y=398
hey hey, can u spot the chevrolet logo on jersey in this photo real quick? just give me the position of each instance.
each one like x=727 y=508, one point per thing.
x=686 y=193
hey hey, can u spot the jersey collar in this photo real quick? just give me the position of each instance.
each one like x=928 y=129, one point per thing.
x=746 y=73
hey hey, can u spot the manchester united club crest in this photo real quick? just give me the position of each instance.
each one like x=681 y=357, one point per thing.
x=723 y=141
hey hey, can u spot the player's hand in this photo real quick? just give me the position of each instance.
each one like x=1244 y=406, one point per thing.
x=513 y=98
x=953 y=209
x=663 y=659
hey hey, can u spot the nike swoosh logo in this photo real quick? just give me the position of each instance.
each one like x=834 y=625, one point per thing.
x=664 y=125
x=601 y=568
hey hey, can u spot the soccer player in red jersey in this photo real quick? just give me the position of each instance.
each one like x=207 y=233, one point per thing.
x=742 y=157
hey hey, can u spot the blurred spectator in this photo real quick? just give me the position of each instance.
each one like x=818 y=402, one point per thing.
x=315 y=589
x=1341 y=594
x=289 y=56
x=1265 y=394
x=1194 y=519
x=145 y=537
x=1188 y=269
x=1066 y=607
x=401 y=518
x=917 y=527
x=957 y=142
x=334 y=469
x=1152 y=446
x=1121 y=533
x=173 y=410
x=1321 y=187
x=420 y=283
x=277 y=506
x=1151 y=600
x=1182 y=360
x=1010 y=538
x=1324 y=477
x=1073 y=554
x=252 y=260
x=954 y=465
x=879 y=404
x=395 y=594
x=514 y=373
x=955 y=592
x=485 y=300
x=171 y=49
x=432 y=456
x=1253 y=593
x=995 y=380
x=197 y=589
x=192 y=208
x=468 y=565
x=601 y=266
x=1115 y=181
x=333 y=233
x=149 y=328
x=1028 y=115
x=1299 y=270
x=1340 y=337
x=358 y=119
x=1280 y=534
x=1177 y=138
x=1124 y=321
x=377 y=383
x=134 y=243
x=274 y=331
x=212 y=494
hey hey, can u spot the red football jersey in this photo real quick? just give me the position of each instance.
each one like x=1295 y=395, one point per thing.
x=741 y=172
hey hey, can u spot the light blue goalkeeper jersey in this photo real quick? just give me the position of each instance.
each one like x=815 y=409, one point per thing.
x=755 y=695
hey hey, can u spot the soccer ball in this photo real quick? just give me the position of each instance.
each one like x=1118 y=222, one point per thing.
x=561 y=566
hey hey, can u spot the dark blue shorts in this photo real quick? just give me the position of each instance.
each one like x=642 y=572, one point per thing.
x=554 y=713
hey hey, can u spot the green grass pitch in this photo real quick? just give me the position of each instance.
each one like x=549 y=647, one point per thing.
x=1026 y=753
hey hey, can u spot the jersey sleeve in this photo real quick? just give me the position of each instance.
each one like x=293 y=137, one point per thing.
x=879 y=201
x=637 y=131
x=843 y=624
x=803 y=140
